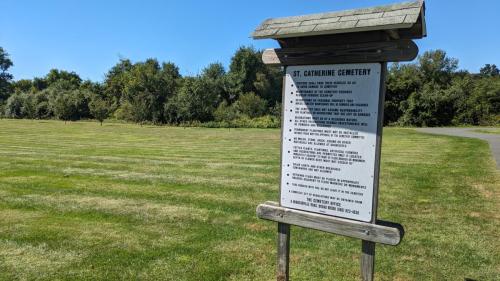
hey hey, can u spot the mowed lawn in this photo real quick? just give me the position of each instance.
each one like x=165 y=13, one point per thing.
x=122 y=202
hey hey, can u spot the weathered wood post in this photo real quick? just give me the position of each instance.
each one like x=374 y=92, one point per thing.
x=283 y=251
x=367 y=247
x=335 y=66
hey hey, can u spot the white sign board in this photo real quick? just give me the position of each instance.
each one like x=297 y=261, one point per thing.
x=329 y=139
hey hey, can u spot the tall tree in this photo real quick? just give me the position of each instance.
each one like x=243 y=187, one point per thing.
x=56 y=75
x=402 y=81
x=245 y=64
x=247 y=73
x=43 y=109
x=214 y=77
x=70 y=79
x=195 y=101
x=14 y=106
x=5 y=77
x=148 y=86
x=23 y=85
x=115 y=81
x=214 y=71
x=490 y=70
x=64 y=107
x=99 y=108
x=437 y=68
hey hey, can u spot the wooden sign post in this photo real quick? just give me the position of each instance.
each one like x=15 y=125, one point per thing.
x=335 y=66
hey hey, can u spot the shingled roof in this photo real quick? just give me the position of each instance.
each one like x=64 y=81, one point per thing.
x=391 y=17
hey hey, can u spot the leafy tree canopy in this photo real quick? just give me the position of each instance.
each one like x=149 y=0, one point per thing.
x=5 y=77
x=429 y=92
x=490 y=70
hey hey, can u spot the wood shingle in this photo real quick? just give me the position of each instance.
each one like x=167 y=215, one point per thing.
x=406 y=17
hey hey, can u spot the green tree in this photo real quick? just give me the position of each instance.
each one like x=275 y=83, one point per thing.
x=56 y=75
x=99 y=108
x=251 y=105
x=115 y=81
x=64 y=107
x=214 y=71
x=402 y=81
x=93 y=87
x=148 y=87
x=437 y=68
x=460 y=94
x=247 y=73
x=39 y=83
x=43 y=109
x=245 y=64
x=489 y=70
x=196 y=100
x=485 y=101
x=419 y=94
x=215 y=79
x=268 y=84
x=14 y=106
x=124 y=112
x=80 y=99
x=5 y=77
x=71 y=80
x=433 y=106
x=23 y=85
x=28 y=109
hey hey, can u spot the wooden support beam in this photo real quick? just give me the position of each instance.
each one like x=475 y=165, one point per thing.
x=396 y=50
x=381 y=232
x=333 y=39
x=283 y=273
x=367 y=260
x=368 y=247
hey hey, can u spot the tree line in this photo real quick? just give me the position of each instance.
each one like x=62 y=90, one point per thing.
x=429 y=92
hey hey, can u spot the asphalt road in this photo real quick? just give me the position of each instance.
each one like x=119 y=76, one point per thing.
x=492 y=139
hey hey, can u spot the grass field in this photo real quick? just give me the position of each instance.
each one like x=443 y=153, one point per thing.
x=124 y=202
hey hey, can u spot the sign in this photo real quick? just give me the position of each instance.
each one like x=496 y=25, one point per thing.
x=329 y=139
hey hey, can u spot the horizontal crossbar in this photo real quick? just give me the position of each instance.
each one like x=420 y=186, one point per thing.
x=386 y=51
x=382 y=232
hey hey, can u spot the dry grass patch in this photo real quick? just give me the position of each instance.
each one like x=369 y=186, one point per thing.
x=139 y=209
x=14 y=216
x=29 y=262
x=259 y=227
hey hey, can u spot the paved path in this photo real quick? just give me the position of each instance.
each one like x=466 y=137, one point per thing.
x=493 y=139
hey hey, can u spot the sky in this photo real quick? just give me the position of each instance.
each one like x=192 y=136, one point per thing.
x=90 y=36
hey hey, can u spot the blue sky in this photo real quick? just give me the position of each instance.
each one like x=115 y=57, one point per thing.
x=90 y=36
